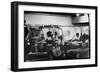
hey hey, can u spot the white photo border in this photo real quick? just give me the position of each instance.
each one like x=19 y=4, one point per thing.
x=22 y=64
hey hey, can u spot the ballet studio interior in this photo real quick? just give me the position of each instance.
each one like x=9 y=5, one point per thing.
x=56 y=36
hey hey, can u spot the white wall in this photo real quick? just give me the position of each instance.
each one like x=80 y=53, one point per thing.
x=5 y=17
x=46 y=19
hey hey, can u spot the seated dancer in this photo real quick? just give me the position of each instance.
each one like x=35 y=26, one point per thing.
x=49 y=44
x=76 y=37
x=85 y=40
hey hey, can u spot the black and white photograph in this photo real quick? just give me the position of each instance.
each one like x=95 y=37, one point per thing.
x=52 y=36
x=56 y=36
